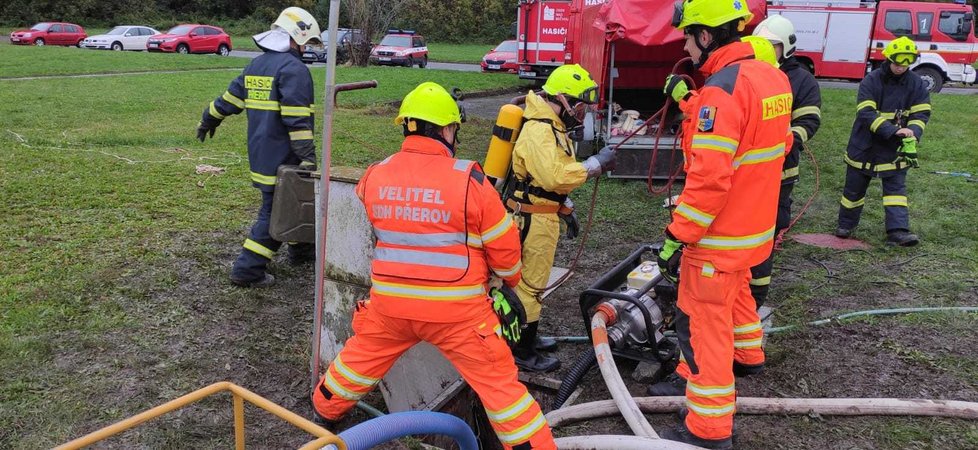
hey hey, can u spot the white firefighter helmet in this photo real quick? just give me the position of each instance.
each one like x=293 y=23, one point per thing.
x=779 y=30
x=299 y=24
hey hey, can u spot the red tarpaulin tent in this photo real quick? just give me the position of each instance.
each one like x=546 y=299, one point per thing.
x=646 y=43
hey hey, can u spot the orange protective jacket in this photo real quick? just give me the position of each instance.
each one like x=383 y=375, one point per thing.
x=734 y=140
x=440 y=229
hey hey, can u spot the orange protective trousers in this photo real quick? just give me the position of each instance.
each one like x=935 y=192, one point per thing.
x=717 y=323
x=479 y=354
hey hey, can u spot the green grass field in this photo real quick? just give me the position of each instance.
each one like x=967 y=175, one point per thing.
x=459 y=53
x=30 y=61
x=105 y=217
x=454 y=53
x=244 y=42
x=103 y=190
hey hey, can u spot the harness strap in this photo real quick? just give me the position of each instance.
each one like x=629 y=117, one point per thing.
x=526 y=208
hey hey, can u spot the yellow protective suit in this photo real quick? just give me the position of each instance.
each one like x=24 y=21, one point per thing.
x=545 y=158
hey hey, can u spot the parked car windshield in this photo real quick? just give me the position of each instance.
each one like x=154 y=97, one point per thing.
x=396 y=41
x=180 y=29
x=340 y=34
x=507 y=46
x=41 y=26
x=118 y=30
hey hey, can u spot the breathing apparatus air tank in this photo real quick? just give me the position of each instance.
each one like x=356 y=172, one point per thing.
x=504 y=134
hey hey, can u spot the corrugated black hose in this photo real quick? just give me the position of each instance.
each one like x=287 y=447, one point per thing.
x=573 y=377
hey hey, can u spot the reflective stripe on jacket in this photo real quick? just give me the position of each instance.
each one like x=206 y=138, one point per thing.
x=873 y=143
x=734 y=143
x=276 y=89
x=441 y=229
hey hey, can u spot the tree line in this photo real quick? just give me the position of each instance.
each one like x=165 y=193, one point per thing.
x=482 y=21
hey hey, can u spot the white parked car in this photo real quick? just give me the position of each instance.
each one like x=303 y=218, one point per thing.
x=122 y=37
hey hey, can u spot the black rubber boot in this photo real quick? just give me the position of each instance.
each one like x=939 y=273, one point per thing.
x=672 y=385
x=683 y=412
x=843 y=233
x=745 y=370
x=299 y=254
x=545 y=344
x=526 y=355
x=682 y=434
x=267 y=281
x=903 y=238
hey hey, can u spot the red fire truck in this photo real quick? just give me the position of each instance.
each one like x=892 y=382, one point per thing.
x=541 y=29
x=845 y=38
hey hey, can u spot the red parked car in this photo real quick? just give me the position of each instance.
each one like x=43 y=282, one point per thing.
x=400 y=48
x=191 y=38
x=50 y=33
x=501 y=59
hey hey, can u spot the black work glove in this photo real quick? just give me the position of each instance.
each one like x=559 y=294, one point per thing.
x=305 y=149
x=510 y=312
x=570 y=219
x=206 y=127
x=668 y=258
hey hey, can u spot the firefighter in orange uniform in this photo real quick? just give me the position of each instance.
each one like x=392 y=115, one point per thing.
x=441 y=231
x=723 y=224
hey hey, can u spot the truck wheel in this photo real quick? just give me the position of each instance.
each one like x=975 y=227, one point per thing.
x=932 y=78
x=423 y=63
x=409 y=63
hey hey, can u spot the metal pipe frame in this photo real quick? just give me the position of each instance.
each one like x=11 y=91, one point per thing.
x=239 y=394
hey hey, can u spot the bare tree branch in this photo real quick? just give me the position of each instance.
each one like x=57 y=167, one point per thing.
x=373 y=17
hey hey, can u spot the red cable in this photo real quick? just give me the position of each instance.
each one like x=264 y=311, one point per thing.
x=801 y=212
x=661 y=114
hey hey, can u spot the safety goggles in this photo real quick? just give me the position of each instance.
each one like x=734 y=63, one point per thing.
x=590 y=95
x=904 y=59
x=677 y=14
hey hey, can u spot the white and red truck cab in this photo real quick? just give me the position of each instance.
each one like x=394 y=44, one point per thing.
x=845 y=38
x=541 y=26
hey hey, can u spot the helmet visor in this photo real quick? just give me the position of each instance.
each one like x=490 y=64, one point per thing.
x=904 y=59
x=677 y=14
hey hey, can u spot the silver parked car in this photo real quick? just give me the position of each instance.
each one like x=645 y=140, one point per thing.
x=122 y=37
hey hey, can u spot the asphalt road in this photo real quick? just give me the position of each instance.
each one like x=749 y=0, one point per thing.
x=845 y=84
x=431 y=64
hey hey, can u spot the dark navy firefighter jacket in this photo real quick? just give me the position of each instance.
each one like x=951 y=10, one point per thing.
x=886 y=103
x=806 y=114
x=276 y=88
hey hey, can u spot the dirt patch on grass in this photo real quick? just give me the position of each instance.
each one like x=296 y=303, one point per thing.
x=191 y=327
x=927 y=357
x=187 y=327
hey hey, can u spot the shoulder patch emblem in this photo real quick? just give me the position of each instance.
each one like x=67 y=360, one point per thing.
x=707 y=116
